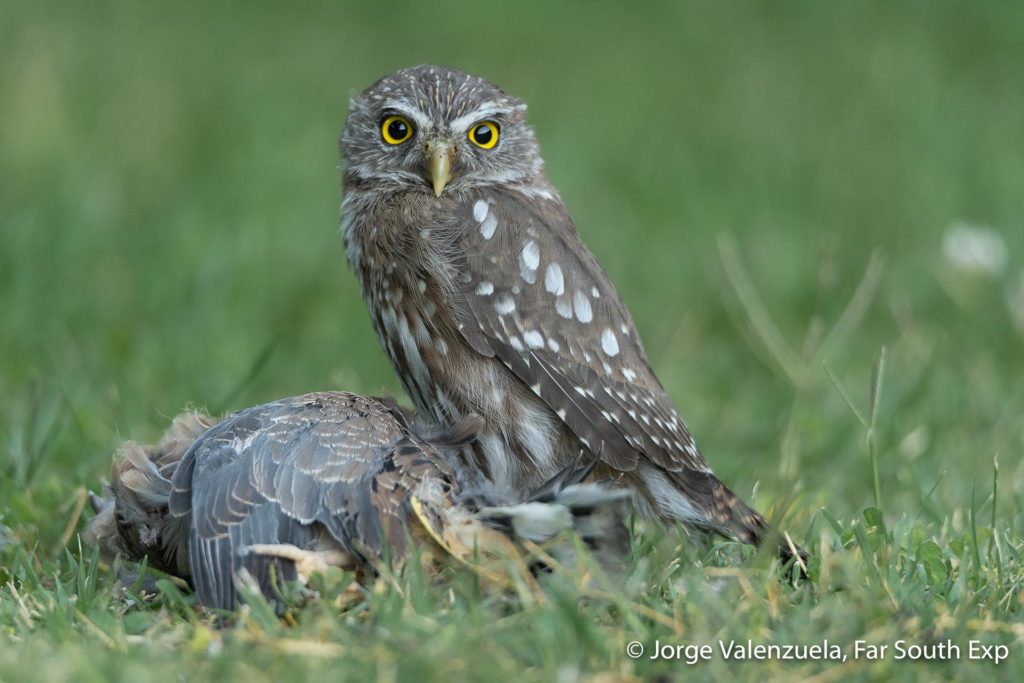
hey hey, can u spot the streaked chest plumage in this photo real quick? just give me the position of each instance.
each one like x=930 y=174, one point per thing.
x=406 y=265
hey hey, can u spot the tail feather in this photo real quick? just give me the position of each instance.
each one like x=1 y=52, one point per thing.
x=750 y=527
x=727 y=514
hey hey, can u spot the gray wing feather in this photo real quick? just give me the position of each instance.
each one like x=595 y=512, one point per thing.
x=216 y=561
x=276 y=473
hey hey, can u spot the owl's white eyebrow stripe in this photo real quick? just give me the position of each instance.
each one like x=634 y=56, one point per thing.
x=487 y=110
x=406 y=107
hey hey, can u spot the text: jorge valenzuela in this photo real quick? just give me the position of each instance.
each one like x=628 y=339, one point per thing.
x=901 y=650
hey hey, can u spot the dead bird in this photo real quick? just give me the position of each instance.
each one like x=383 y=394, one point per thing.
x=278 y=491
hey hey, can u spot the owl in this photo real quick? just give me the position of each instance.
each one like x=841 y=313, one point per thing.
x=277 y=491
x=487 y=301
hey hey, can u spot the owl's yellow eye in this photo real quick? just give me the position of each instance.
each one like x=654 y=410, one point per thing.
x=484 y=134
x=395 y=130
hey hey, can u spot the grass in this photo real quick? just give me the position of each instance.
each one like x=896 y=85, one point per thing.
x=769 y=187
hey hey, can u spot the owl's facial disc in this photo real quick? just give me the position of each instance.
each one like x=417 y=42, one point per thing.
x=428 y=129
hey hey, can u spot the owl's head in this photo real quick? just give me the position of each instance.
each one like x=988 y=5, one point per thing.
x=432 y=129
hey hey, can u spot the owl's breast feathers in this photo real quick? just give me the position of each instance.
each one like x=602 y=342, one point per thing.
x=396 y=247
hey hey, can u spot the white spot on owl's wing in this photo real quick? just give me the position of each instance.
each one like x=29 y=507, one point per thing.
x=533 y=339
x=531 y=255
x=485 y=288
x=529 y=260
x=581 y=304
x=553 y=280
x=564 y=307
x=504 y=305
x=609 y=344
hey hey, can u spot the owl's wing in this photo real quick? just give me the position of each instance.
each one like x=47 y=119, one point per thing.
x=279 y=473
x=533 y=295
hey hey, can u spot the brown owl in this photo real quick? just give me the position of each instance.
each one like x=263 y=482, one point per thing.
x=487 y=301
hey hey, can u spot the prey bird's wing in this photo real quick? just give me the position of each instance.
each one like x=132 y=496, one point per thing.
x=283 y=472
x=532 y=294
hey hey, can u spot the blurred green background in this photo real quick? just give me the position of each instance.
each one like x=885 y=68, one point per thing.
x=170 y=201
x=169 y=210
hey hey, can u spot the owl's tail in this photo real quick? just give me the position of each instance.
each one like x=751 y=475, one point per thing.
x=728 y=514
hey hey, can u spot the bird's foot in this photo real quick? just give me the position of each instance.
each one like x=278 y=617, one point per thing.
x=306 y=561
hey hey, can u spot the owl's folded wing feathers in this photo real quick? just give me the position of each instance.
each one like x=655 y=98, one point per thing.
x=534 y=296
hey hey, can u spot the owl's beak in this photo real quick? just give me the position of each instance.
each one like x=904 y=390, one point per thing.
x=439 y=165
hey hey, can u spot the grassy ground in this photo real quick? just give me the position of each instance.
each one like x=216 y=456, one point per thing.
x=770 y=190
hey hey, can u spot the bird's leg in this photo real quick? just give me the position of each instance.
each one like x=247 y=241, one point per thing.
x=306 y=561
